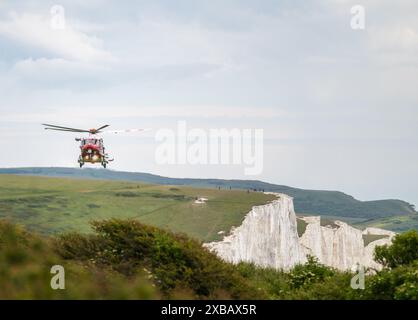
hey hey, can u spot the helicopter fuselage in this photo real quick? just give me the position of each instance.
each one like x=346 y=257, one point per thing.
x=92 y=150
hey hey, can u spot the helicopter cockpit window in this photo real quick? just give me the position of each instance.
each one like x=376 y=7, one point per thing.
x=90 y=141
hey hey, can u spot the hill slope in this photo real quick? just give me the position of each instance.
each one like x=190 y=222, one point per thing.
x=329 y=203
x=55 y=205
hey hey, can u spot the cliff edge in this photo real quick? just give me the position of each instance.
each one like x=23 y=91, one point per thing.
x=268 y=237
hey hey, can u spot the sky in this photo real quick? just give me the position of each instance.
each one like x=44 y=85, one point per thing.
x=338 y=106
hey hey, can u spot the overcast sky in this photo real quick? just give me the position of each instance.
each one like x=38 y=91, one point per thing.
x=338 y=106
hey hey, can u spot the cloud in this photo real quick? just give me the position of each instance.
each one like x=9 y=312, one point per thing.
x=35 y=31
x=394 y=44
x=294 y=68
x=157 y=41
x=110 y=112
x=54 y=73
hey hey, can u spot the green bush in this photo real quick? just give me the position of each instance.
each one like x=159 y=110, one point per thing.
x=399 y=283
x=125 y=259
x=399 y=278
x=335 y=287
x=403 y=251
x=310 y=272
x=268 y=281
x=173 y=260
x=26 y=261
x=311 y=281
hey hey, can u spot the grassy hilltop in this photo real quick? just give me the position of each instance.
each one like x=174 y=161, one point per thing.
x=396 y=215
x=57 y=205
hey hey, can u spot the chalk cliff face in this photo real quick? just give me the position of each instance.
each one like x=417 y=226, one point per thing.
x=369 y=249
x=268 y=237
x=339 y=245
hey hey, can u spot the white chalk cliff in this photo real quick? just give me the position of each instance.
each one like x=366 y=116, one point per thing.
x=268 y=237
x=369 y=249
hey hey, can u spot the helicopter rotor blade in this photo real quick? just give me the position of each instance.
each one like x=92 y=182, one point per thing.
x=91 y=131
x=102 y=127
x=65 y=128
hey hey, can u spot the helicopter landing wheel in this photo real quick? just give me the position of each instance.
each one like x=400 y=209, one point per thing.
x=81 y=164
x=104 y=165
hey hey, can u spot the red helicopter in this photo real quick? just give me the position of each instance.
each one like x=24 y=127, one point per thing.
x=92 y=148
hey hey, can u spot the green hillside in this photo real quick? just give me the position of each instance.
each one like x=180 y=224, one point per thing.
x=329 y=203
x=57 y=205
x=396 y=223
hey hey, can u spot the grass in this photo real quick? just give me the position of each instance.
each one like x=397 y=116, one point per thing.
x=324 y=203
x=369 y=238
x=57 y=205
x=301 y=226
x=396 y=223
x=328 y=223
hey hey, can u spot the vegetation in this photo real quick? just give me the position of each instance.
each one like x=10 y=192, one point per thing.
x=301 y=226
x=58 y=205
x=369 y=238
x=403 y=251
x=134 y=257
x=328 y=223
x=124 y=259
x=26 y=261
x=337 y=205
x=394 y=223
x=312 y=281
x=399 y=278
x=173 y=261
x=311 y=272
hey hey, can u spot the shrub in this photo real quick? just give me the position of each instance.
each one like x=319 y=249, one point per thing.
x=173 y=260
x=400 y=283
x=402 y=251
x=310 y=272
x=26 y=260
x=399 y=278
x=268 y=281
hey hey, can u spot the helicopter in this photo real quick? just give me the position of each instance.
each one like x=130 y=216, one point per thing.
x=92 y=149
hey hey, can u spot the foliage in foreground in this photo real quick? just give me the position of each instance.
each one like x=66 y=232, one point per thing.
x=397 y=280
x=311 y=281
x=403 y=251
x=26 y=261
x=173 y=261
x=125 y=259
